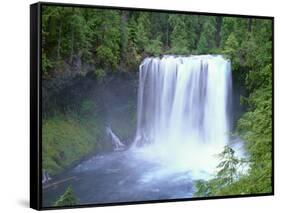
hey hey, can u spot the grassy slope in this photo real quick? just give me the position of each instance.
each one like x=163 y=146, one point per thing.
x=65 y=140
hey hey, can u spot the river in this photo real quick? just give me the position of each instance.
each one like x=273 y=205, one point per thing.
x=119 y=177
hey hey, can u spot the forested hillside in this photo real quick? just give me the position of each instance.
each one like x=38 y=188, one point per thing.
x=96 y=44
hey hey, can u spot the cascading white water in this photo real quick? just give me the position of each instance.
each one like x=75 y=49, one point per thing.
x=183 y=118
x=116 y=142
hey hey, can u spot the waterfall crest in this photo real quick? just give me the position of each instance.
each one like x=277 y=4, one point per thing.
x=183 y=108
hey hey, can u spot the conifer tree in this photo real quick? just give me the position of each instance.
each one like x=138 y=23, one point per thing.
x=67 y=199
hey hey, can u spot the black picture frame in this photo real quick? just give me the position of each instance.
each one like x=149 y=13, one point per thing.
x=36 y=104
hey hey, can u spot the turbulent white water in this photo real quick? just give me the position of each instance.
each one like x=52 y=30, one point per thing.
x=183 y=111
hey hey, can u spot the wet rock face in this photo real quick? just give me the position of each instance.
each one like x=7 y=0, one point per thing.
x=68 y=83
x=113 y=98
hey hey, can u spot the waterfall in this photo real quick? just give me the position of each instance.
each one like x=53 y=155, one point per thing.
x=183 y=109
x=45 y=177
x=116 y=142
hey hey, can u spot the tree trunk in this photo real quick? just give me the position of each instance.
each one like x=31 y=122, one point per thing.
x=59 y=40
x=167 y=33
x=250 y=24
x=124 y=37
x=218 y=30
x=72 y=44
x=198 y=30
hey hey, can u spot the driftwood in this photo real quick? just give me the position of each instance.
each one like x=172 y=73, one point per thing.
x=59 y=182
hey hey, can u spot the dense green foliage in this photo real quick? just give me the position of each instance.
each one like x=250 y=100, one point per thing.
x=67 y=199
x=116 y=40
x=253 y=55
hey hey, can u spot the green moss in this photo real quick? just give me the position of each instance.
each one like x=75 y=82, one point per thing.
x=65 y=140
